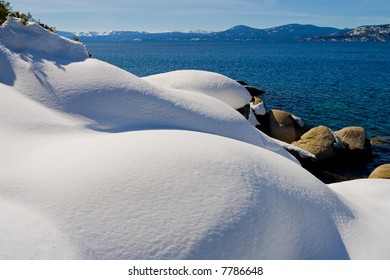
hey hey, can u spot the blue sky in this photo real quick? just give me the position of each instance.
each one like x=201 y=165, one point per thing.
x=210 y=15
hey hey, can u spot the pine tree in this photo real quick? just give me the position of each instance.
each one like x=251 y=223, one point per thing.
x=4 y=11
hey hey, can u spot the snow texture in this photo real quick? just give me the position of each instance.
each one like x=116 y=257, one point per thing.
x=97 y=163
x=367 y=236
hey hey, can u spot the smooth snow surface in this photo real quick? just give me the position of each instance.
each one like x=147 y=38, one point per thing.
x=13 y=35
x=208 y=83
x=109 y=99
x=164 y=194
x=25 y=234
x=97 y=163
x=367 y=237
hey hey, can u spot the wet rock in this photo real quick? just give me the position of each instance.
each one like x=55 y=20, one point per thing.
x=245 y=111
x=242 y=83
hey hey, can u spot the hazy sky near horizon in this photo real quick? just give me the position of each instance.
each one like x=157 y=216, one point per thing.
x=210 y=15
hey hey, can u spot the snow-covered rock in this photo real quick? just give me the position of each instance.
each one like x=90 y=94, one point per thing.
x=366 y=236
x=97 y=163
x=145 y=194
x=213 y=84
x=13 y=35
x=110 y=99
x=27 y=234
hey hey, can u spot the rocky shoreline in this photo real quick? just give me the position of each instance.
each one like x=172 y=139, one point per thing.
x=332 y=156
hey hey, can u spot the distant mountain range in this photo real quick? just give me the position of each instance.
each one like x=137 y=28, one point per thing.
x=290 y=32
x=378 y=33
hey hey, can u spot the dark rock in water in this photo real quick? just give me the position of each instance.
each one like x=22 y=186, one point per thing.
x=308 y=162
x=355 y=139
x=345 y=155
x=253 y=90
x=381 y=172
x=260 y=113
x=242 y=83
x=284 y=127
x=319 y=141
x=245 y=111
x=380 y=152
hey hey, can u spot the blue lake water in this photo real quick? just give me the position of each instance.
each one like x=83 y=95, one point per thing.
x=337 y=84
x=324 y=83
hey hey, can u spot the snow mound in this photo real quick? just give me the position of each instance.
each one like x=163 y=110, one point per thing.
x=187 y=177
x=367 y=236
x=13 y=35
x=110 y=99
x=147 y=195
x=209 y=83
x=27 y=235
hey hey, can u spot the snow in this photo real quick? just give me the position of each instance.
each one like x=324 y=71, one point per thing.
x=97 y=163
x=13 y=35
x=149 y=194
x=298 y=120
x=259 y=109
x=252 y=119
x=26 y=234
x=338 y=143
x=367 y=236
x=301 y=152
x=208 y=83
x=110 y=99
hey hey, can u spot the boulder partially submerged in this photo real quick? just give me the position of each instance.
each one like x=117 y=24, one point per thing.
x=284 y=127
x=355 y=139
x=319 y=141
x=381 y=172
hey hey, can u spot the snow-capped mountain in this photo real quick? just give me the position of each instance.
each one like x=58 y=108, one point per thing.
x=379 y=33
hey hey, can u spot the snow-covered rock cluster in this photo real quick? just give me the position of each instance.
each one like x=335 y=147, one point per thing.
x=97 y=163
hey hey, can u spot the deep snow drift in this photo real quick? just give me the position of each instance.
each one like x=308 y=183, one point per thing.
x=100 y=164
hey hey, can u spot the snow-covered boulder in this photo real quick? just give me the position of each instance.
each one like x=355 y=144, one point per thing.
x=13 y=35
x=213 y=84
x=28 y=234
x=96 y=164
x=110 y=99
x=367 y=236
x=146 y=195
